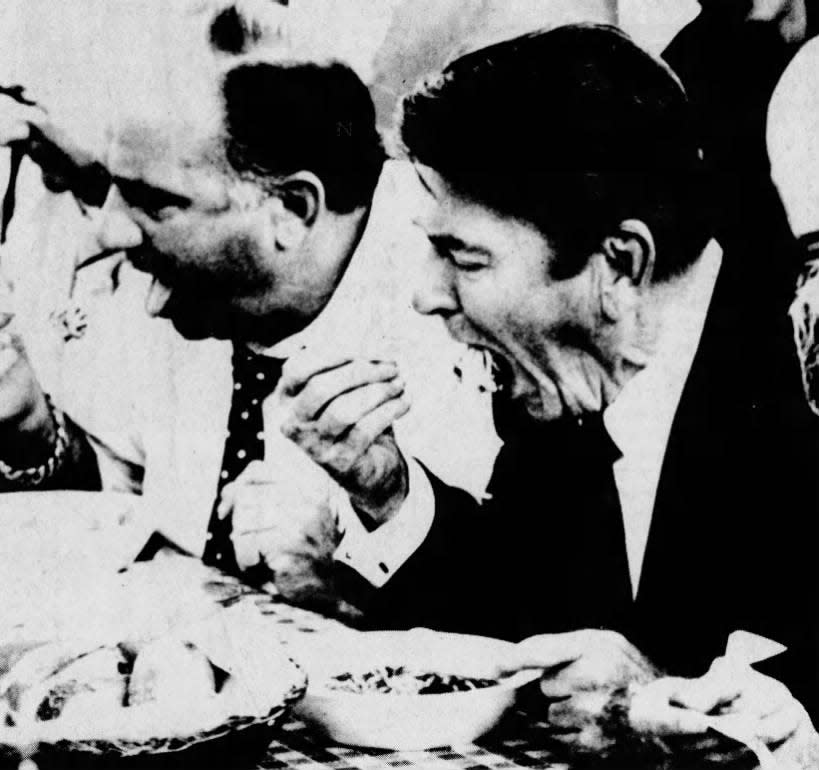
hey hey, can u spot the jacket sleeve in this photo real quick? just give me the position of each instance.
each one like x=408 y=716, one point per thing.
x=450 y=582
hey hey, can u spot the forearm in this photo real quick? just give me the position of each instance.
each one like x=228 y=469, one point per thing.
x=47 y=451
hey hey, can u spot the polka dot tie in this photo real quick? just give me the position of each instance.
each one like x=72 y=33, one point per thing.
x=254 y=379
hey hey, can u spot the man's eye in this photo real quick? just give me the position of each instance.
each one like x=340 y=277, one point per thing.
x=467 y=266
x=151 y=201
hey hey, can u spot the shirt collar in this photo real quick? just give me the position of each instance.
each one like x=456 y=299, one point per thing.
x=645 y=407
x=291 y=345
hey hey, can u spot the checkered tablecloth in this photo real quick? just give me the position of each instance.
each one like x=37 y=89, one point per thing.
x=519 y=742
x=298 y=747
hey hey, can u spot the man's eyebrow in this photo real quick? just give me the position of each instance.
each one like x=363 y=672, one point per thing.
x=138 y=193
x=453 y=243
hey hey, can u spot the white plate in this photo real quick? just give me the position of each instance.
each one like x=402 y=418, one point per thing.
x=407 y=722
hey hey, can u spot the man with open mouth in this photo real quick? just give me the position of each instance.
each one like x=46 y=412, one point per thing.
x=656 y=490
x=240 y=178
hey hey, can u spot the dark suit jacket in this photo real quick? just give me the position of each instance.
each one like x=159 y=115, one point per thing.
x=733 y=540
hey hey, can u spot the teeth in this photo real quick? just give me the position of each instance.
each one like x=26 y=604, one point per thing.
x=477 y=368
x=157 y=298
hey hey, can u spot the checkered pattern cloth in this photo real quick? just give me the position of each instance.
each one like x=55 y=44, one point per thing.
x=299 y=747
x=519 y=742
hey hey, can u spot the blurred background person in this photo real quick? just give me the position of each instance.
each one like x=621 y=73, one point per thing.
x=793 y=144
x=729 y=59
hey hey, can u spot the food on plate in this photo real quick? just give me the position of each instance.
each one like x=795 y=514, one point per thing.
x=33 y=668
x=171 y=674
x=162 y=681
x=403 y=681
x=91 y=684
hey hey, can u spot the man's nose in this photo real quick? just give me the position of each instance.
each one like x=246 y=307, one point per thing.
x=435 y=292
x=117 y=231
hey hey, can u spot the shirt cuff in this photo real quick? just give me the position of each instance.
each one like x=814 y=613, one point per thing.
x=377 y=555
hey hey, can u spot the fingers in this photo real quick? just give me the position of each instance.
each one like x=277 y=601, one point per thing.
x=246 y=550
x=366 y=429
x=300 y=369
x=653 y=711
x=762 y=710
x=706 y=694
x=554 y=650
x=17 y=119
x=349 y=426
x=779 y=726
x=8 y=358
x=352 y=408
x=12 y=350
x=330 y=386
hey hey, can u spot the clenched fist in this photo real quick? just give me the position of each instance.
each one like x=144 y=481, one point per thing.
x=285 y=529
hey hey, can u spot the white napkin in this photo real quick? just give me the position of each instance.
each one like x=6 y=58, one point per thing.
x=744 y=649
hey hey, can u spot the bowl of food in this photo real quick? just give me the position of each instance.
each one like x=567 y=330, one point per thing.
x=408 y=690
x=91 y=702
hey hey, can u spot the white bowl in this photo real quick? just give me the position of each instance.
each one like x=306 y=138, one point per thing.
x=407 y=722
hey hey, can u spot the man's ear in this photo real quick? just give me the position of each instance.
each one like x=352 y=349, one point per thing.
x=630 y=254
x=296 y=206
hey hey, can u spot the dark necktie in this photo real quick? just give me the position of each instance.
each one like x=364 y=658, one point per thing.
x=609 y=588
x=254 y=379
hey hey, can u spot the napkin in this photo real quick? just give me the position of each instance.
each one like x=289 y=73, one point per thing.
x=744 y=649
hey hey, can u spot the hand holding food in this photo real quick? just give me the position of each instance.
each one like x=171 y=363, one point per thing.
x=340 y=411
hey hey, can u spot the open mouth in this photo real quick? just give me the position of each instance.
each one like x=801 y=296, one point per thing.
x=494 y=372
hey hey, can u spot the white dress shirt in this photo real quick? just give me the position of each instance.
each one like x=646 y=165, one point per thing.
x=639 y=422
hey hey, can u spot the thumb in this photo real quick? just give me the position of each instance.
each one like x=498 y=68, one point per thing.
x=652 y=711
x=720 y=686
x=546 y=651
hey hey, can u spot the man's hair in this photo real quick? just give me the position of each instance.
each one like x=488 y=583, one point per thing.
x=285 y=118
x=573 y=130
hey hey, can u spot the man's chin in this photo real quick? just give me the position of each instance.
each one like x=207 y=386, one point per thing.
x=197 y=321
x=197 y=329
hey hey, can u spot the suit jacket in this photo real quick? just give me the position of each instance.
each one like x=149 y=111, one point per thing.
x=156 y=407
x=732 y=543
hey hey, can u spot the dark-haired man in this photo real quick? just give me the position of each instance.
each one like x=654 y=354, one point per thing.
x=656 y=490
x=241 y=193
